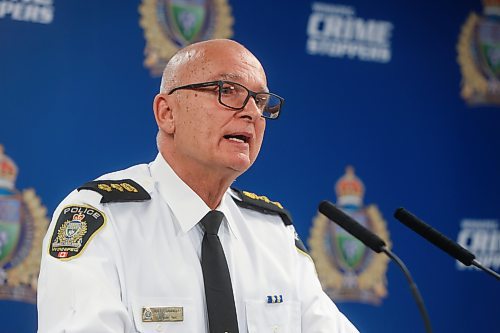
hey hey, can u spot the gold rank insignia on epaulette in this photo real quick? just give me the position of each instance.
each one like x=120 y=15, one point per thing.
x=123 y=190
x=75 y=227
x=262 y=204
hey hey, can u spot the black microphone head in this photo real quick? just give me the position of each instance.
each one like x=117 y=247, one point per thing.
x=351 y=226
x=434 y=236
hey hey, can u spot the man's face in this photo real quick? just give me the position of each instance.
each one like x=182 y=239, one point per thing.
x=208 y=134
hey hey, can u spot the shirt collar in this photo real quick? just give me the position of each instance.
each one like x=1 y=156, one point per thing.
x=187 y=207
x=230 y=210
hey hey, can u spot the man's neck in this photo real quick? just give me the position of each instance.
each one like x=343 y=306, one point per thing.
x=210 y=185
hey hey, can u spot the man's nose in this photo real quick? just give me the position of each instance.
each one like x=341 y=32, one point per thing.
x=251 y=111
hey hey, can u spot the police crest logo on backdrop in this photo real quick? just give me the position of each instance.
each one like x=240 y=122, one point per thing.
x=23 y=223
x=172 y=24
x=347 y=269
x=479 y=56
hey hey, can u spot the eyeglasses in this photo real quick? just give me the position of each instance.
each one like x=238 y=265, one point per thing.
x=236 y=96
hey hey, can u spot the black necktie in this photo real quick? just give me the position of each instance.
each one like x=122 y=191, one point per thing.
x=218 y=289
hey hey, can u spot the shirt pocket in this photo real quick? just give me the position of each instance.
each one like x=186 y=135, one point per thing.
x=273 y=318
x=171 y=307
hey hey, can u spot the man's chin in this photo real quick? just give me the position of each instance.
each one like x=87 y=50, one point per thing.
x=240 y=163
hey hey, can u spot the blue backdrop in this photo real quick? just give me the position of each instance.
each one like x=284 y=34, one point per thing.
x=75 y=102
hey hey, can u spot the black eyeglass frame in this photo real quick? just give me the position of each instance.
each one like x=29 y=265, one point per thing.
x=220 y=84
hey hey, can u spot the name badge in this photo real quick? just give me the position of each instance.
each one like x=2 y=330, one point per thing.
x=160 y=314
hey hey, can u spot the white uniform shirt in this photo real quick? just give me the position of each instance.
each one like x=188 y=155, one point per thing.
x=148 y=253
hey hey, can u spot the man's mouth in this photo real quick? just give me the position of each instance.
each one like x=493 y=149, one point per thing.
x=237 y=138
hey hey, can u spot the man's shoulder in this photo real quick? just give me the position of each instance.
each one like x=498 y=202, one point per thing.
x=261 y=203
x=131 y=184
x=84 y=213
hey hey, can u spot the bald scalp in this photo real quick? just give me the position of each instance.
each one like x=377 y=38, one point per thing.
x=192 y=57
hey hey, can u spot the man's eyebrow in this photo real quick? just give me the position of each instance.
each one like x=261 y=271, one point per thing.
x=236 y=78
x=228 y=76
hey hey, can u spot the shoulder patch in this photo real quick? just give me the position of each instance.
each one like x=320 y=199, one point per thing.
x=76 y=225
x=262 y=204
x=123 y=190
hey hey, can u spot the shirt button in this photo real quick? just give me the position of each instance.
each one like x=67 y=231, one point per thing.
x=159 y=328
x=276 y=329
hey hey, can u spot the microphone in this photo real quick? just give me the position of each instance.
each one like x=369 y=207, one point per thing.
x=441 y=241
x=367 y=237
x=434 y=236
x=375 y=243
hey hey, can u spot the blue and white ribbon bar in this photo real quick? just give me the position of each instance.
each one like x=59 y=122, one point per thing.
x=274 y=299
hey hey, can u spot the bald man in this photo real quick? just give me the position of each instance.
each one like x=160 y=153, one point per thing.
x=136 y=250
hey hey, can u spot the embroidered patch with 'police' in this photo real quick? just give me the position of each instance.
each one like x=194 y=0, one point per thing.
x=76 y=225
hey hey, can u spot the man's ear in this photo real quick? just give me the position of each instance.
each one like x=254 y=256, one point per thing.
x=163 y=113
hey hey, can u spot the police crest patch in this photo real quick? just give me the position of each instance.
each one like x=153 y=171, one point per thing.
x=347 y=269
x=76 y=225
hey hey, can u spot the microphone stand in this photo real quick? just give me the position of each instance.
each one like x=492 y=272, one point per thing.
x=486 y=269
x=413 y=287
x=375 y=243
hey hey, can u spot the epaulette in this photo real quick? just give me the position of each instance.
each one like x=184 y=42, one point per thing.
x=262 y=204
x=123 y=190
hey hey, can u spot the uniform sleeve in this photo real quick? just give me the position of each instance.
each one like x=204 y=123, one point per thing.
x=319 y=313
x=82 y=293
